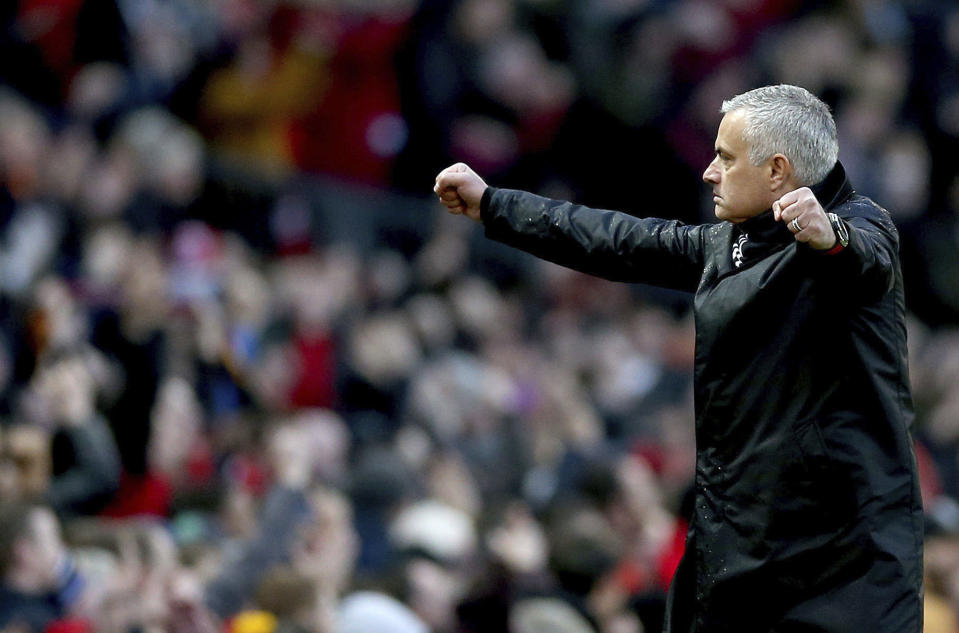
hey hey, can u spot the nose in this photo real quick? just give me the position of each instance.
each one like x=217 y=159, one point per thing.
x=711 y=175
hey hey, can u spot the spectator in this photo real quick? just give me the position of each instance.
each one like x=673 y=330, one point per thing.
x=84 y=459
x=39 y=581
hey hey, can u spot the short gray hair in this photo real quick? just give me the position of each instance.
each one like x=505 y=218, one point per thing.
x=792 y=121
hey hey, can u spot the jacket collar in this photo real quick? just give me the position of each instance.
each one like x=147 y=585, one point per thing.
x=764 y=229
x=834 y=189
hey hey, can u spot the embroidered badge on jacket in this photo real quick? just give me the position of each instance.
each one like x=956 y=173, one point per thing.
x=738 y=250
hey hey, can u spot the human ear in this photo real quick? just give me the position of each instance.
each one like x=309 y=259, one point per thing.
x=780 y=172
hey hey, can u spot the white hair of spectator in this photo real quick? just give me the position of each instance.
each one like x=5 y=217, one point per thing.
x=792 y=121
x=370 y=611
x=446 y=532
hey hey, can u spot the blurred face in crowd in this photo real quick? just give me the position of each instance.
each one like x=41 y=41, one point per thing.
x=24 y=461
x=741 y=190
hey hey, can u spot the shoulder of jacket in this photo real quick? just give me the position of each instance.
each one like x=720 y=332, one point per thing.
x=858 y=206
x=715 y=237
x=718 y=229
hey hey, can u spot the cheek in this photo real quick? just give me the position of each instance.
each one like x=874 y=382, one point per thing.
x=758 y=193
x=728 y=185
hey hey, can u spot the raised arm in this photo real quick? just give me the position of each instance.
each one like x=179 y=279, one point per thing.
x=868 y=262
x=607 y=244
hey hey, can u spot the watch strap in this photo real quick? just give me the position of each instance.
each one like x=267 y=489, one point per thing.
x=841 y=232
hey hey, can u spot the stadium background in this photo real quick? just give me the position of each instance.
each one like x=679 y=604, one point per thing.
x=265 y=382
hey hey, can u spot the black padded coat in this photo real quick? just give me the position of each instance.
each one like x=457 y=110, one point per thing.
x=807 y=514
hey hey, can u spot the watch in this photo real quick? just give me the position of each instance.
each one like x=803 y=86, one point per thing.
x=842 y=233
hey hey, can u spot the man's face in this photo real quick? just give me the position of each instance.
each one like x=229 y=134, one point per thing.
x=741 y=190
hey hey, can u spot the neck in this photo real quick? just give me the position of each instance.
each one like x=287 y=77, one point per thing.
x=782 y=190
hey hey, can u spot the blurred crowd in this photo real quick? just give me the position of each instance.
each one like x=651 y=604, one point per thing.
x=253 y=379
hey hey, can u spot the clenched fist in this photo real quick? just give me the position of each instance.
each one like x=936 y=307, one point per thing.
x=806 y=218
x=460 y=190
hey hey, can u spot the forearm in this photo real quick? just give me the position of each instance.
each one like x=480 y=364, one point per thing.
x=607 y=244
x=867 y=266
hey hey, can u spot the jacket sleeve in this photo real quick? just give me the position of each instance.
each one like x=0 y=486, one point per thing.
x=608 y=244
x=869 y=265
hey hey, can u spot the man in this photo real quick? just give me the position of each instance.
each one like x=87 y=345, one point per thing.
x=38 y=580
x=807 y=515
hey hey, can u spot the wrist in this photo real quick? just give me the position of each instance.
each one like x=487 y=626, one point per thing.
x=836 y=248
x=485 y=201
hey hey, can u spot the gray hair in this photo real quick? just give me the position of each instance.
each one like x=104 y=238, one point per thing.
x=792 y=121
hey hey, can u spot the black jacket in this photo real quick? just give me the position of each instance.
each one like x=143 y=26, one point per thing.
x=808 y=515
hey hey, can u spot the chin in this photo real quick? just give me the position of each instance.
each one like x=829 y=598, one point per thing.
x=724 y=215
